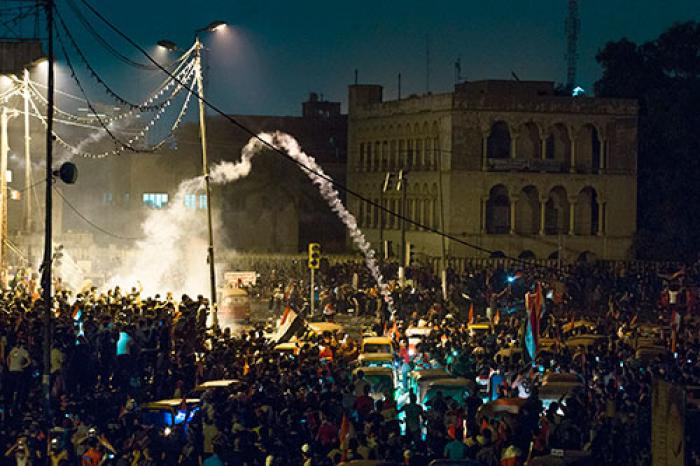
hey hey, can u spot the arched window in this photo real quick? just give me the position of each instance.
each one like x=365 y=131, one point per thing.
x=498 y=142
x=498 y=211
x=361 y=158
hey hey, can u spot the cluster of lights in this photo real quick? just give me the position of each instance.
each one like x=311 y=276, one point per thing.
x=74 y=150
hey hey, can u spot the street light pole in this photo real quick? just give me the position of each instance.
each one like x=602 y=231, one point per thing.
x=46 y=264
x=205 y=173
x=27 y=170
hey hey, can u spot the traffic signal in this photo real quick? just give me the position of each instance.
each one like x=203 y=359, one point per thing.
x=314 y=256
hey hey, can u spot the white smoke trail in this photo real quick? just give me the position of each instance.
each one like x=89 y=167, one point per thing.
x=226 y=172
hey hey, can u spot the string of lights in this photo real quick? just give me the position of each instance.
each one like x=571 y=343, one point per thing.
x=138 y=136
x=304 y=167
x=186 y=70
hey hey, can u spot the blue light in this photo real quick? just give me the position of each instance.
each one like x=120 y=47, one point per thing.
x=180 y=417
x=510 y=279
x=578 y=90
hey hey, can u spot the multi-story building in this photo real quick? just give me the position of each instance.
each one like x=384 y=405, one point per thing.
x=507 y=166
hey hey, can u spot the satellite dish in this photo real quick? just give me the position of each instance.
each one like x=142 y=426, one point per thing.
x=68 y=173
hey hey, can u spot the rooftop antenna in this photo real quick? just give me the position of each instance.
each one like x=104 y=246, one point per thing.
x=355 y=75
x=427 y=64
x=458 y=70
x=573 y=26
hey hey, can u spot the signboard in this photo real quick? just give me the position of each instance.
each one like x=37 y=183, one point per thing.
x=240 y=278
x=667 y=424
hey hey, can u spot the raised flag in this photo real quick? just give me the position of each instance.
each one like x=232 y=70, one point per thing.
x=472 y=318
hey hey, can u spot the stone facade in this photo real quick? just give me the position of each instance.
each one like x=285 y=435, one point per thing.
x=524 y=172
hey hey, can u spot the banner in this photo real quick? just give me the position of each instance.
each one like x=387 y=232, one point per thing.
x=243 y=278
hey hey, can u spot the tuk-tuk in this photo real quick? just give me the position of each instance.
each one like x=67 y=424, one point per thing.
x=509 y=355
x=235 y=305
x=322 y=328
x=456 y=388
x=377 y=345
x=416 y=377
x=380 y=379
x=561 y=378
x=221 y=385
x=578 y=327
x=166 y=414
x=556 y=392
x=649 y=353
x=480 y=328
x=586 y=340
x=290 y=347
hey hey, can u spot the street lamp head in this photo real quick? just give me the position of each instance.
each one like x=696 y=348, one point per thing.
x=167 y=44
x=216 y=26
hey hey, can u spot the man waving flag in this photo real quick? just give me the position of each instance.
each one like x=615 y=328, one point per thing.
x=533 y=305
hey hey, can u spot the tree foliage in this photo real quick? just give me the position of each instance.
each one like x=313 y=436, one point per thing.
x=664 y=75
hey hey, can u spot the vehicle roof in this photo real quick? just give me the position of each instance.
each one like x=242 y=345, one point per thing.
x=217 y=383
x=434 y=372
x=287 y=345
x=235 y=292
x=577 y=324
x=480 y=325
x=557 y=390
x=377 y=340
x=559 y=377
x=169 y=403
x=373 y=370
x=320 y=327
x=451 y=382
x=376 y=357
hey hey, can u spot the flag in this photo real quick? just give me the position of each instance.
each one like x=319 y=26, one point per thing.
x=471 y=313
x=533 y=307
x=497 y=317
x=290 y=324
x=675 y=327
x=285 y=315
x=394 y=330
x=246 y=368
x=347 y=431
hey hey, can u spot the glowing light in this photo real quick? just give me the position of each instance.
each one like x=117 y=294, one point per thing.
x=511 y=279
x=216 y=26
x=578 y=90
x=167 y=431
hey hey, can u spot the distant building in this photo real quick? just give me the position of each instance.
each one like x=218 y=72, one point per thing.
x=275 y=209
x=524 y=172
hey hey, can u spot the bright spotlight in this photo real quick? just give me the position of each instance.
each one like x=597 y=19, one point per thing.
x=216 y=26
x=510 y=279
x=167 y=45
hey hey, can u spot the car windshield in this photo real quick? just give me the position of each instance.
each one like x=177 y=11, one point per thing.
x=376 y=348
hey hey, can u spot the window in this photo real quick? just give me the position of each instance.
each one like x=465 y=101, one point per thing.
x=155 y=200
x=191 y=201
x=202 y=201
x=107 y=198
x=127 y=198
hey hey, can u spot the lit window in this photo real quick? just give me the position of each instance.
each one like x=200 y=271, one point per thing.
x=191 y=201
x=202 y=201
x=107 y=198
x=155 y=200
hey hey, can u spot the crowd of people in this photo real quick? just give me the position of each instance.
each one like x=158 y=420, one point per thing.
x=114 y=351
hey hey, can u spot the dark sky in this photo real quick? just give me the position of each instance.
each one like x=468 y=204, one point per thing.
x=276 y=51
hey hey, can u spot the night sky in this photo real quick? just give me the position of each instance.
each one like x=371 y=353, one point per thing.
x=276 y=51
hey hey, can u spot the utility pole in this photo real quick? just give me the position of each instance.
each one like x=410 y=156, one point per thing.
x=4 y=149
x=27 y=170
x=46 y=265
x=401 y=186
x=205 y=172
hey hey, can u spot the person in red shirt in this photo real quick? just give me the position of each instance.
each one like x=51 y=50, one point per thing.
x=327 y=432
x=364 y=404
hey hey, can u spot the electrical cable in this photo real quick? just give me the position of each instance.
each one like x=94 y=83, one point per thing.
x=91 y=223
x=272 y=147
x=86 y=24
x=95 y=75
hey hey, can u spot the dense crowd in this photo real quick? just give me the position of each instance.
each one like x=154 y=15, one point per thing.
x=114 y=351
